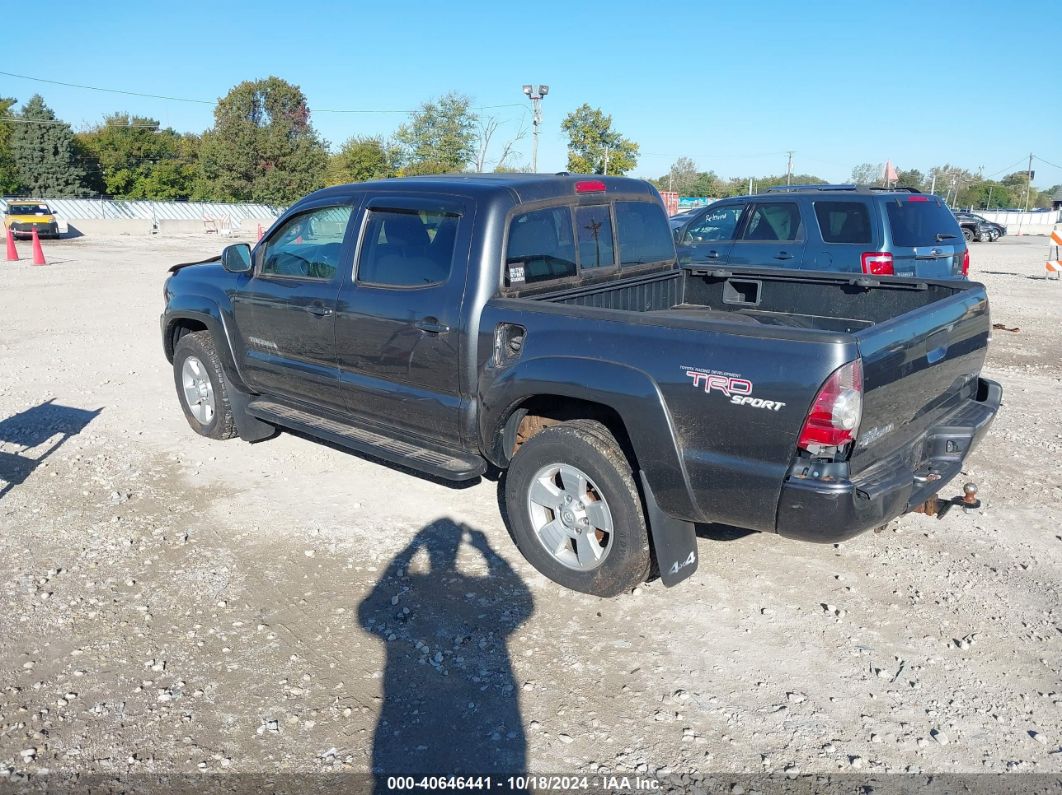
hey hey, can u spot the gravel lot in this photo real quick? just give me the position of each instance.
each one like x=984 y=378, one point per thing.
x=173 y=605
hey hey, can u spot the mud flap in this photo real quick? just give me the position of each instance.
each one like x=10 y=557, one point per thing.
x=249 y=428
x=674 y=541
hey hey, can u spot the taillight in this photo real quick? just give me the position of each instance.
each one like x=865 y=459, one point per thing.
x=834 y=417
x=878 y=263
x=966 y=263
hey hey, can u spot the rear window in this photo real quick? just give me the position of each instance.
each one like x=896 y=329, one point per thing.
x=843 y=222
x=594 y=226
x=559 y=242
x=643 y=233
x=917 y=221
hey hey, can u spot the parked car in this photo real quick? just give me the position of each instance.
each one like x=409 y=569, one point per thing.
x=829 y=228
x=979 y=228
x=22 y=216
x=538 y=325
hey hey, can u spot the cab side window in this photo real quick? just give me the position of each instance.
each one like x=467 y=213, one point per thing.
x=407 y=248
x=307 y=246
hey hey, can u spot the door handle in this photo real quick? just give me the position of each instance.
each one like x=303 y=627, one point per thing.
x=783 y=255
x=319 y=310
x=713 y=254
x=431 y=325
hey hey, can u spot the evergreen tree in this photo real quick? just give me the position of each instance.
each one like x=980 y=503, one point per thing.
x=45 y=154
x=8 y=173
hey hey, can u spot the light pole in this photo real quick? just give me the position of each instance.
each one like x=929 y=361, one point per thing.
x=536 y=119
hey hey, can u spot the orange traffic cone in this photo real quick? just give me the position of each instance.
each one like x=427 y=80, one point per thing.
x=38 y=253
x=12 y=252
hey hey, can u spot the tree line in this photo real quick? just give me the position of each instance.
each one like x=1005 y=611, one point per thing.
x=963 y=188
x=263 y=147
x=959 y=187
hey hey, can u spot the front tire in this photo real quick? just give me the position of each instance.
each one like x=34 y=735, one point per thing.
x=575 y=512
x=201 y=386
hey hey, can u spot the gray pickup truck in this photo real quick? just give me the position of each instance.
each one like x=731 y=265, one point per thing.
x=538 y=327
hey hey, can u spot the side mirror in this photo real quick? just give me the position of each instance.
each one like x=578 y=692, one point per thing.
x=236 y=258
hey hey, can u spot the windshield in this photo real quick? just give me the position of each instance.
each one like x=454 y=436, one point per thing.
x=918 y=220
x=28 y=209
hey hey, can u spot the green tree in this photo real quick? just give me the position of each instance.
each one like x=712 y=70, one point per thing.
x=707 y=184
x=594 y=147
x=680 y=178
x=262 y=146
x=735 y=186
x=135 y=159
x=1017 y=180
x=986 y=195
x=868 y=173
x=440 y=138
x=910 y=178
x=8 y=172
x=45 y=154
x=739 y=186
x=950 y=181
x=361 y=159
x=763 y=183
x=686 y=180
x=177 y=177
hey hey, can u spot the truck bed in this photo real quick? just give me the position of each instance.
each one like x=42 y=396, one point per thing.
x=767 y=297
x=921 y=345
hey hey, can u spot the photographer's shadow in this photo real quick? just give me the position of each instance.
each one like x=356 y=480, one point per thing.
x=450 y=702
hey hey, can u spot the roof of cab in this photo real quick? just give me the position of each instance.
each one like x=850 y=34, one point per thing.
x=523 y=187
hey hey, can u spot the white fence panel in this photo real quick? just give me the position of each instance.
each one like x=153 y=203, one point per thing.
x=155 y=211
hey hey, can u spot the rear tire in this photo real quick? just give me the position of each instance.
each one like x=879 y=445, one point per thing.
x=201 y=386
x=575 y=511
x=967 y=235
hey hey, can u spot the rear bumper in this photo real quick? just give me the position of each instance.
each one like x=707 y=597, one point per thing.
x=817 y=510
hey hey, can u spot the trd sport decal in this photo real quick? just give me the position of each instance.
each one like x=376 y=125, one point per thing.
x=738 y=389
